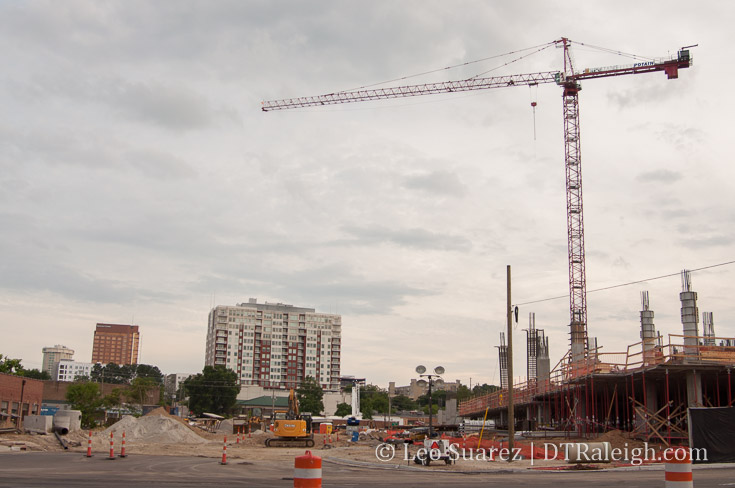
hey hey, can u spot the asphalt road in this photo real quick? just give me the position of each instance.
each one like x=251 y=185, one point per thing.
x=42 y=469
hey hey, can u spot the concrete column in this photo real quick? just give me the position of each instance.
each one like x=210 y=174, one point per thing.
x=694 y=389
x=648 y=331
x=651 y=398
x=541 y=414
x=689 y=315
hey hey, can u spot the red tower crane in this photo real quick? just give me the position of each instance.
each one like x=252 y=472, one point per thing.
x=569 y=81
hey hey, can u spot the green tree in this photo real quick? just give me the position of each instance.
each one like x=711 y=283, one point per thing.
x=463 y=393
x=434 y=409
x=10 y=366
x=138 y=390
x=85 y=397
x=310 y=396
x=379 y=402
x=400 y=403
x=123 y=375
x=96 y=373
x=438 y=397
x=111 y=373
x=149 y=371
x=484 y=389
x=343 y=409
x=35 y=374
x=214 y=390
x=373 y=400
x=113 y=399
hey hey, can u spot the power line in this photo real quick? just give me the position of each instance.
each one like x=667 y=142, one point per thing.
x=628 y=283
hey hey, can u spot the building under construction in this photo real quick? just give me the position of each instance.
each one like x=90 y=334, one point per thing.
x=646 y=390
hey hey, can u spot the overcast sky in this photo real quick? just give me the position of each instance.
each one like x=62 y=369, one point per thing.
x=140 y=181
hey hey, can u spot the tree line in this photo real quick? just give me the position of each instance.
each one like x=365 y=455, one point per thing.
x=14 y=366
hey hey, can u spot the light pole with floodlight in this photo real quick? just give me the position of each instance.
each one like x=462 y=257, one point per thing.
x=420 y=369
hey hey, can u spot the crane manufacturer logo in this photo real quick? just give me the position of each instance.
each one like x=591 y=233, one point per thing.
x=614 y=68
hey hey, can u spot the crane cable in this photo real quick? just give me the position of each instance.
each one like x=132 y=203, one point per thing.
x=538 y=48
x=533 y=93
x=613 y=51
x=512 y=61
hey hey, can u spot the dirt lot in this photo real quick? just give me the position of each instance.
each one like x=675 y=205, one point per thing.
x=161 y=434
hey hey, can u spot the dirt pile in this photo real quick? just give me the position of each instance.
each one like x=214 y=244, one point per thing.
x=161 y=429
x=619 y=440
x=225 y=427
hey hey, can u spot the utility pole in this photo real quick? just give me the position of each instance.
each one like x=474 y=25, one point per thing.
x=19 y=424
x=389 y=412
x=511 y=417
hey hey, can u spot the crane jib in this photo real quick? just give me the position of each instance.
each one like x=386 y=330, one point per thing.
x=470 y=84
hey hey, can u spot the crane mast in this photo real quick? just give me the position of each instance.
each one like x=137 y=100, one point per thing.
x=575 y=214
x=569 y=81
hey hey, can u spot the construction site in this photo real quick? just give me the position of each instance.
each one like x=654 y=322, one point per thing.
x=666 y=391
x=646 y=390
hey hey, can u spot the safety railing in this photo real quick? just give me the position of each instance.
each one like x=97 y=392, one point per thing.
x=681 y=349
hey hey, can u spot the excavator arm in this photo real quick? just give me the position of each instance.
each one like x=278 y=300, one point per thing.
x=293 y=405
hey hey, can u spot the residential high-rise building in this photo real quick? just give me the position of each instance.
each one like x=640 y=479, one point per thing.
x=115 y=343
x=52 y=356
x=273 y=345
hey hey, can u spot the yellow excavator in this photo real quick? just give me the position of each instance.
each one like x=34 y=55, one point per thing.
x=292 y=429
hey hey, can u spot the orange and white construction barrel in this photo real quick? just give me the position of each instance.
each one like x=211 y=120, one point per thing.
x=224 y=451
x=307 y=471
x=112 y=448
x=122 y=448
x=678 y=468
x=89 y=445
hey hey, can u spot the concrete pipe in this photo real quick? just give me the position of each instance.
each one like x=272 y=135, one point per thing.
x=61 y=425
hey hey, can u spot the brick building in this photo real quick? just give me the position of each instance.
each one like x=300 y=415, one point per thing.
x=18 y=396
x=115 y=343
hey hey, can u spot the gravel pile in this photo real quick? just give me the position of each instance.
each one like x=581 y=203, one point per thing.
x=154 y=428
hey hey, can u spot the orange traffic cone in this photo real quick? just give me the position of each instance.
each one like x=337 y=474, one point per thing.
x=224 y=452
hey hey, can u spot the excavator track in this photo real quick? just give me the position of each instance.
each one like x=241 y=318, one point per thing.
x=297 y=442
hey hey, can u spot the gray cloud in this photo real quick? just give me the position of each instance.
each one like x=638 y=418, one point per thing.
x=38 y=259
x=708 y=242
x=620 y=262
x=66 y=147
x=173 y=107
x=665 y=176
x=135 y=165
x=439 y=183
x=159 y=165
x=415 y=238
x=328 y=285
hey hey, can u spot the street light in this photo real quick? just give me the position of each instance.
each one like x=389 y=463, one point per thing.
x=438 y=371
